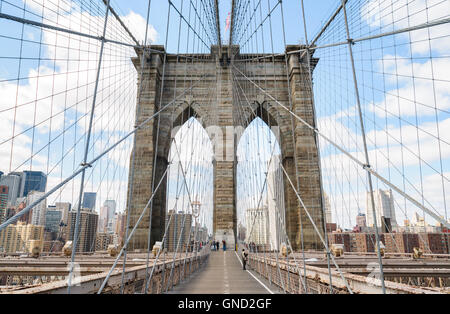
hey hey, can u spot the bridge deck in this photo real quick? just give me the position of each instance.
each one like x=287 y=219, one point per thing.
x=223 y=274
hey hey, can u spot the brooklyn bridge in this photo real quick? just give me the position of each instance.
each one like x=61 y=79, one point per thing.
x=320 y=158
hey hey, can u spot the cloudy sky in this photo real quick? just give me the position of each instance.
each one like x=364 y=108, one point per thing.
x=404 y=91
x=47 y=80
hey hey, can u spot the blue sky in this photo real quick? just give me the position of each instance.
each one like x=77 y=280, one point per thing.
x=402 y=91
x=317 y=13
x=37 y=58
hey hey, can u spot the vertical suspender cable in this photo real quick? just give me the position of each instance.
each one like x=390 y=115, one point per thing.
x=291 y=107
x=86 y=151
x=308 y=54
x=133 y=157
x=366 y=153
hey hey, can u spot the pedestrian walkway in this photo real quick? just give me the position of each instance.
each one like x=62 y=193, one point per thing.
x=223 y=274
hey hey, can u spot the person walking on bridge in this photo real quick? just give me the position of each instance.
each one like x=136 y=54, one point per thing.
x=244 y=256
x=224 y=245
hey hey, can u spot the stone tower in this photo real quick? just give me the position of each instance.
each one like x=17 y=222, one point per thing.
x=210 y=88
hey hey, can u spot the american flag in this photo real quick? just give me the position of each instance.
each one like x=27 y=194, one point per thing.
x=228 y=22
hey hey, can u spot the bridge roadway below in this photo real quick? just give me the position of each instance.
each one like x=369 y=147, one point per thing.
x=223 y=274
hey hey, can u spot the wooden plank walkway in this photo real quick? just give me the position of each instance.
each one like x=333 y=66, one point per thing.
x=223 y=274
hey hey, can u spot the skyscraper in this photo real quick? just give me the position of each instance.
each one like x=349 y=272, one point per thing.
x=111 y=210
x=327 y=207
x=87 y=230
x=177 y=232
x=52 y=219
x=257 y=225
x=106 y=219
x=121 y=225
x=21 y=237
x=32 y=181
x=384 y=209
x=64 y=208
x=103 y=219
x=89 y=199
x=111 y=204
x=103 y=240
x=12 y=181
x=38 y=212
x=275 y=202
x=3 y=202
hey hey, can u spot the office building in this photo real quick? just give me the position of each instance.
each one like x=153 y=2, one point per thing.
x=38 y=212
x=54 y=246
x=21 y=237
x=400 y=242
x=275 y=202
x=3 y=202
x=106 y=219
x=53 y=219
x=87 y=229
x=32 y=181
x=20 y=184
x=120 y=225
x=103 y=219
x=419 y=225
x=257 y=225
x=327 y=208
x=103 y=240
x=111 y=205
x=12 y=181
x=89 y=199
x=384 y=209
x=64 y=208
x=178 y=229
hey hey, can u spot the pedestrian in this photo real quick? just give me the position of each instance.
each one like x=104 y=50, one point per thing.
x=244 y=255
x=224 y=244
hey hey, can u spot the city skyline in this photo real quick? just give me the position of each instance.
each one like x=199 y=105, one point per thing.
x=380 y=199
x=309 y=141
x=348 y=200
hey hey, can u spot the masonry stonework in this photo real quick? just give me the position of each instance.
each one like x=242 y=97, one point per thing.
x=225 y=103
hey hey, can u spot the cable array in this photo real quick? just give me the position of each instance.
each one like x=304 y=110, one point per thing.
x=368 y=92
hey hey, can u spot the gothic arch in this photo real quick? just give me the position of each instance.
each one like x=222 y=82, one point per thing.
x=298 y=144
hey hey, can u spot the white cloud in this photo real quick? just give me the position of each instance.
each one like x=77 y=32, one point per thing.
x=60 y=90
x=400 y=14
x=417 y=90
x=136 y=23
x=428 y=92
